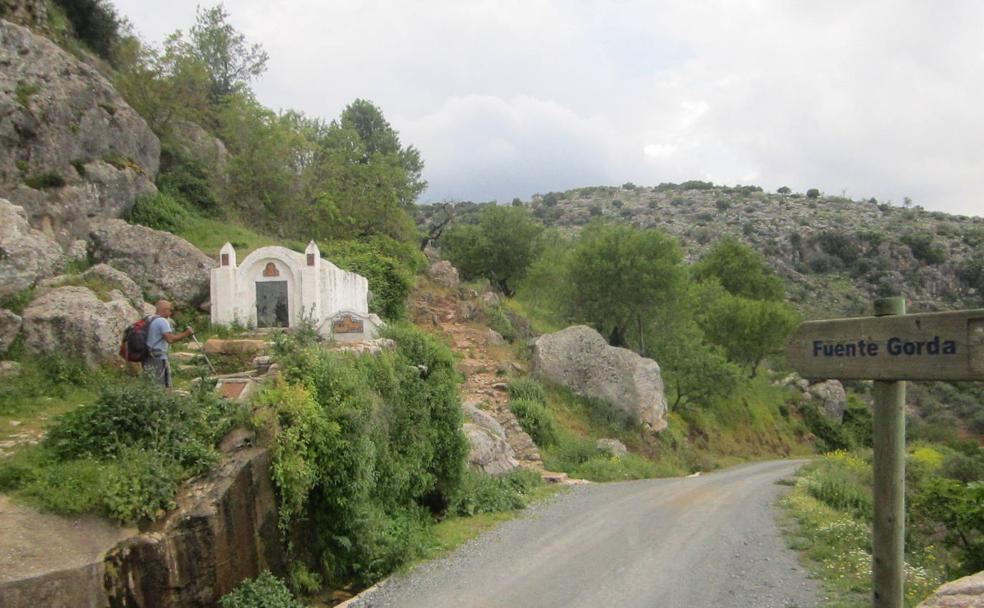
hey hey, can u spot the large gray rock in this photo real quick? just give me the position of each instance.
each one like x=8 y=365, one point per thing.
x=102 y=275
x=966 y=592
x=26 y=255
x=832 y=398
x=63 y=119
x=32 y=13
x=10 y=325
x=579 y=358
x=489 y=452
x=162 y=264
x=443 y=273
x=73 y=322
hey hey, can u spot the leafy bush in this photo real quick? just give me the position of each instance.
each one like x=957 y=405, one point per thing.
x=535 y=419
x=960 y=508
x=390 y=281
x=481 y=493
x=839 y=488
x=95 y=23
x=43 y=181
x=925 y=248
x=367 y=448
x=264 y=591
x=832 y=436
x=186 y=178
x=122 y=455
x=813 y=193
x=160 y=211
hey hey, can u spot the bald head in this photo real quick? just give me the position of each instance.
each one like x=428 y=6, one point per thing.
x=163 y=308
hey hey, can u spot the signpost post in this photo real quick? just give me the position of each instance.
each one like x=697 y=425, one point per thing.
x=889 y=348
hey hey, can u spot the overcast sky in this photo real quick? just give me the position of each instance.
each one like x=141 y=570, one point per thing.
x=507 y=98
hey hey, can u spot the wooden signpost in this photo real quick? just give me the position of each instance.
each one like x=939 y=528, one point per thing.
x=889 y=348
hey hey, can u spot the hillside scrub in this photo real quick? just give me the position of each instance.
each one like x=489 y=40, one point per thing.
x=369 y=451
x=122 y=455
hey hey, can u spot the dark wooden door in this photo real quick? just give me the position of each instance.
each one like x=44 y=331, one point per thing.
x=271 y=304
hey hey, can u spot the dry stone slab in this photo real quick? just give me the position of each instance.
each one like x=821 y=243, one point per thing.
x=489 y=453
x=26 y=255
x=73 y=322
x=162 y=264
x=579 y=358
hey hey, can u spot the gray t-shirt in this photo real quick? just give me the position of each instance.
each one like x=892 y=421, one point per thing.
x=155 y=337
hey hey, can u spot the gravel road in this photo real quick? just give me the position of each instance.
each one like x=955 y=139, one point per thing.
x=708 y=541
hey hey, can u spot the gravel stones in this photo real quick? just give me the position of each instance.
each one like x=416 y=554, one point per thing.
x=579 y=358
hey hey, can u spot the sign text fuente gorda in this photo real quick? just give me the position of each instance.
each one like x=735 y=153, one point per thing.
x=931 y=346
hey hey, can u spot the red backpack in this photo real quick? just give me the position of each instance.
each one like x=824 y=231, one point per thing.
x=134 y=344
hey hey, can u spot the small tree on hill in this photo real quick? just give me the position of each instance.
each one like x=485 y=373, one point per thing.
x=740 y=270
x=230 y=60
x=812 y=193
x=499 y=248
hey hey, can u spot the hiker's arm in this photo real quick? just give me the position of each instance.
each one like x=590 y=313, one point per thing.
x=171 y=337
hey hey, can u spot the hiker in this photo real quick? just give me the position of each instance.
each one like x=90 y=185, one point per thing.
x=160 y=336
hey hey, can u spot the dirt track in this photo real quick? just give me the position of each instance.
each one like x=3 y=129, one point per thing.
x=709 y=541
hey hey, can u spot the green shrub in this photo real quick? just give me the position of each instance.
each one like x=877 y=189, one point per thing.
x=536 y=420
x=17 y=302
x=813 y=193
x=160 y=211
x=43 y=181
x=264 y=591
x=925 y=248
x=139 y=487
x=368 y=447
x=963 y=468
x=187 y=179
x=95 y=23
x=831 y=436
x=481 y=493
x=390 y=281
x=839 y=488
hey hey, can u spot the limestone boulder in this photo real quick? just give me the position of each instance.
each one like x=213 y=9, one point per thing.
x=579 y=358
x=32 y=13
x=966 y=592
x=612 y=447
x=73 y=322
x=70 y=146
x=444 y=274
x=10 y=325
x=26 y=255
x=831 y=397
x=103 y=276
x=488 y=452
x=162 y=265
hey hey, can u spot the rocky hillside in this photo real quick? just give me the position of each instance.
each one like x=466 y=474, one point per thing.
x=835 y=254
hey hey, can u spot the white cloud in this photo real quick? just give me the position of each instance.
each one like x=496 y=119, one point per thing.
x=508 y=97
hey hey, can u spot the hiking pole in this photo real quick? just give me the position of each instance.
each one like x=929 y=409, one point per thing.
x=210 y=366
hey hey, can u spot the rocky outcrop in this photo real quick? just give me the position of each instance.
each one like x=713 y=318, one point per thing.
x=72 y=321
x=444 y=274
x=223 y=531
x=162 y=264
x=831 y=397
x=490 y=452
x=104 y=275
x=70 y=147
x=579 y=358
x=10 y=325
x=30 y=13
x=26 y=255
x=966 y=592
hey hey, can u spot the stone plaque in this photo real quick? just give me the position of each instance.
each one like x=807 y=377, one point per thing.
x=931 y=346
x=348 y=325
x=271 y=304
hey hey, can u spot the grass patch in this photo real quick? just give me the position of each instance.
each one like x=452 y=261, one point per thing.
x=17 y=302
x=23 y=93
x=122 y=162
